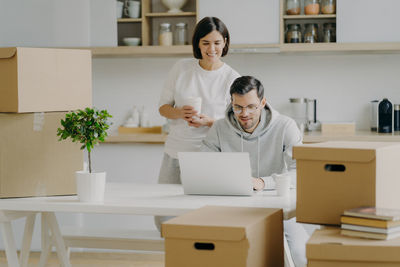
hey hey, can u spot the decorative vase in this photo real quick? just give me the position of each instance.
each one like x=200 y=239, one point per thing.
x=174 y=5
x=90 y=186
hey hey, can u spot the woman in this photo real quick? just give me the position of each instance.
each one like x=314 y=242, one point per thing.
x=206 y=77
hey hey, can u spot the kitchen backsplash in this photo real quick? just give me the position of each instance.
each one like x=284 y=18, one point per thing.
x=344 y=84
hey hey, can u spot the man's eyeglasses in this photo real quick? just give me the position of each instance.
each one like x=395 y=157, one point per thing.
x=250 y=108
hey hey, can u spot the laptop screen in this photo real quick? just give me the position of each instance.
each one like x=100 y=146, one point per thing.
x=216 y=173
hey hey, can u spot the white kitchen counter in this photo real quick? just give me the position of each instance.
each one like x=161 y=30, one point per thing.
x=309 y=137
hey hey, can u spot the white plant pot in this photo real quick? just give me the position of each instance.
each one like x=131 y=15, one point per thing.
x=90 y=186
x=174 y=5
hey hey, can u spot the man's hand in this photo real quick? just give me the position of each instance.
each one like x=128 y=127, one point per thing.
x=201 y=120
x=258 y=184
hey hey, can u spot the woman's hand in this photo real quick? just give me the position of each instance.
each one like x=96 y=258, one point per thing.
x=258 y=184
x=201 y=120
x=187 y=113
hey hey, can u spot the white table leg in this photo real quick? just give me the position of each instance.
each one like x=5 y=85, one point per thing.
x=58 y=240
x=27 y=239
x=9 y=243
x=44 y=255
x=45 y=241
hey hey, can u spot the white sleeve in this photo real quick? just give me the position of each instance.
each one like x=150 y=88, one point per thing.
x=234 y=75
x=211 y=142
x=168 y=92
x=292 y=138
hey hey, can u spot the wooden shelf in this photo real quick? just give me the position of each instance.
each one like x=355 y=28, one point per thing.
x=288 y=17
x=166 y=14
x=186 y=50
x=337 y=47
x=137 y=138
x=285 y=20
x=129 y=20
x=126 y=51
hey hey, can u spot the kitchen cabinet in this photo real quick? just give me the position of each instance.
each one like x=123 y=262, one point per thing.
x=153 y=13
x=371 y=21
x=103 y=29
x=248 y=22
x=45 y=23
x=259 y=27
x=302 y=20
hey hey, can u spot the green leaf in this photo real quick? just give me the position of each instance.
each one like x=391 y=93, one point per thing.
x=87 y=127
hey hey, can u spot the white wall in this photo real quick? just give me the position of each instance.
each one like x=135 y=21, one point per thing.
x=343 y=84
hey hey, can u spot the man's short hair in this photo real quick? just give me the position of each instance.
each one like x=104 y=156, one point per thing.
x=204 y=27
x=245 y=84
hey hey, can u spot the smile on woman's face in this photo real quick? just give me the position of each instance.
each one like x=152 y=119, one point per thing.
x=211 y=47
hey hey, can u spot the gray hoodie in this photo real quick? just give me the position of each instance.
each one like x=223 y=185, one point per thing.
x=270 y=144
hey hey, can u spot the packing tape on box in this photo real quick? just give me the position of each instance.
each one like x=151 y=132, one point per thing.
x=38 y=121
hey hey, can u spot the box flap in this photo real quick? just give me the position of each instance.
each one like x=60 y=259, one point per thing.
x=340 y=151
x=329 y=244
x=7 y=52
x=215 y=223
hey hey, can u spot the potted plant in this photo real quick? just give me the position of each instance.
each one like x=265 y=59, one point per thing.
x=87 y=127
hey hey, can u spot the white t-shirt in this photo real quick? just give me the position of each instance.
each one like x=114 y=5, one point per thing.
x=188 y=79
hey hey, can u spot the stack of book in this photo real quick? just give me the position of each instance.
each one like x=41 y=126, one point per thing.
x=371 y=222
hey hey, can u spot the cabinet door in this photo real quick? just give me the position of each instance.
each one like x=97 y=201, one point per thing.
x=103 y=23
x=248 y=22
x=44 y=23
x=368 y=21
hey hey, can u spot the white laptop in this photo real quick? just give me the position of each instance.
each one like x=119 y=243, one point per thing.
x=216 y=173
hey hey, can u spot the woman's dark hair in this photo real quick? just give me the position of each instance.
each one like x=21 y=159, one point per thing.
x=245 y=84
x=204 y=27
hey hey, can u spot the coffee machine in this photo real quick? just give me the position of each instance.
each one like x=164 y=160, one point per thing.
x=385 y=113
x=304 y=112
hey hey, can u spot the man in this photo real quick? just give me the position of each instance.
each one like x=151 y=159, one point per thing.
x=251 y=125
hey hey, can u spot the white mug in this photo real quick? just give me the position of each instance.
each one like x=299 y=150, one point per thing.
x=282 y=184
x=120 y=7
x=195 y=102
x=133 y=9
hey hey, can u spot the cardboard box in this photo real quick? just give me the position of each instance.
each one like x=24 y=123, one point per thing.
x=327 y=248
x=44 y=79
x=335 y=176
x=32 y=160
x=225 y=236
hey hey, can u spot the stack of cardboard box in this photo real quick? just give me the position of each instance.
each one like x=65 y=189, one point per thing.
x=336 y=176
x=37 y=87
x=216 y=236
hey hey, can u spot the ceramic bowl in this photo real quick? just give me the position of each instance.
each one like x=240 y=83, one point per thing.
x=131 y=41
x=174 y=5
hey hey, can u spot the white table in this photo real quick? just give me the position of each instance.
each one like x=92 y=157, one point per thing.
x=120 y=198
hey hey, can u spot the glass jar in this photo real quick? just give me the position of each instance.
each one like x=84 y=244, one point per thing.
x=293 y=34
x=181 y=34
x=165 y=34
x=328 y=6
x=311 y=33
x=311 y=7
x=293 y=7
x=329 y=33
